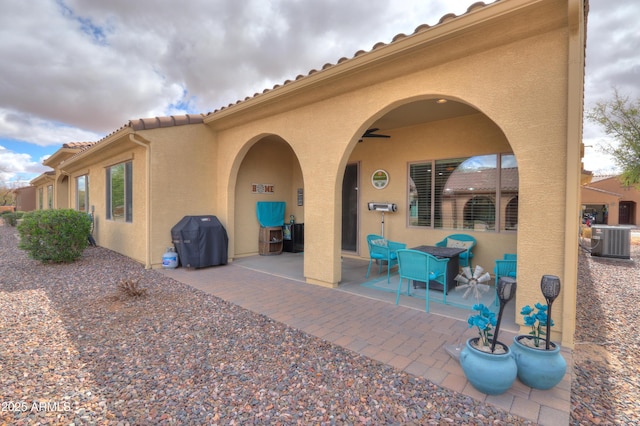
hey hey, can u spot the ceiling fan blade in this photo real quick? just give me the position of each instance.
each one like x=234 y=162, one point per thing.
x=370 y=133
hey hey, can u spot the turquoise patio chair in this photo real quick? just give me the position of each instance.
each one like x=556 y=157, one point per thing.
x=382 y=250
x=505 y=267
x=464 y=241
x=420 y=266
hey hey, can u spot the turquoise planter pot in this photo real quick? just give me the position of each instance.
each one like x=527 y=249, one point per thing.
x=489 y=373
x=538 y=368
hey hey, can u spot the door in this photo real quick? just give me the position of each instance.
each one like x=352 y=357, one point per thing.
x=350 y=208
x=627 y=213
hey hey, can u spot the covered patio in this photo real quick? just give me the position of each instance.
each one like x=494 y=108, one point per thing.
x=369 y=323
x=291 y=266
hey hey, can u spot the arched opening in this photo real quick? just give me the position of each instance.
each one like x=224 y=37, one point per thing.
x=62 y=192
x=479 y=213
x=511 y=214
x=269 y=171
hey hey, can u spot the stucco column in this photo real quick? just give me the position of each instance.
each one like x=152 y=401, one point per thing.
x=322 y=235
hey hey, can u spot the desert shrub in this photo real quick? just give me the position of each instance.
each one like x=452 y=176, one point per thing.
x=54 y=236
x=10 y=218
x=131 y=288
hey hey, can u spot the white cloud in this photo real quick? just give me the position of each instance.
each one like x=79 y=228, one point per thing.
x=41 y=132
x=76 y=70
x=18 y=169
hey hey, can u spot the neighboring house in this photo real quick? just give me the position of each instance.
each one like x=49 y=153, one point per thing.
x=612 y=202
x=43 y=185
x=484 y=117
x=25 y=198
x=52 y=188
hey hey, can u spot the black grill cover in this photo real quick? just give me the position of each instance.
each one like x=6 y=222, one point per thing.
x=200 y=241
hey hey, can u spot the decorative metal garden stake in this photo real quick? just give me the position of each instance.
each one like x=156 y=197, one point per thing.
x=506 y=289
x=550 y=286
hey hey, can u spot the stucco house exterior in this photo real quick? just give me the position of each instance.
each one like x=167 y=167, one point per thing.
x=612 y=202
x=483 y=114
x=25 y=198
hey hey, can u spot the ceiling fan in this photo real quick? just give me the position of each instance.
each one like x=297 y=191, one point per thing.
x=371 y=133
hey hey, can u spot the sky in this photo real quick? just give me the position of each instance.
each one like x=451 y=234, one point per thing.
x=77 y=70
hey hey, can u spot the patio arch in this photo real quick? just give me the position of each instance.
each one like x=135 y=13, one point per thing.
x=411 y=122
x=270 y=161
x=62 y=192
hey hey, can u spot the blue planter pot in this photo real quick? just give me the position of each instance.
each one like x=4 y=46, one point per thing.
x=538 y=368
x=489 y=373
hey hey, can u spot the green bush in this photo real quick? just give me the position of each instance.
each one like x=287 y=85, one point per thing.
x=10 y=219
x=54 y=236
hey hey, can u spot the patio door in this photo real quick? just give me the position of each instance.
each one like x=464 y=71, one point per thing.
x=350 y=208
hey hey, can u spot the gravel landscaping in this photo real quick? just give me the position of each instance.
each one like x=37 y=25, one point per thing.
x=606 y=384
x=76 y=350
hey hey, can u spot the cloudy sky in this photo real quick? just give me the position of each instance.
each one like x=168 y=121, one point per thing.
x=76 y=70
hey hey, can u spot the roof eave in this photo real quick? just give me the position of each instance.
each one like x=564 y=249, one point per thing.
x=449 y=26
x=99 y=146
x=59 y=156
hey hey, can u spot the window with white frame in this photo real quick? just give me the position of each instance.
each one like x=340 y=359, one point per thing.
x=82 y=193
x=119 y=192
x=479 y=193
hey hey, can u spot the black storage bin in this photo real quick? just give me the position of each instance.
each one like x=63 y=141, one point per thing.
x=200 y=241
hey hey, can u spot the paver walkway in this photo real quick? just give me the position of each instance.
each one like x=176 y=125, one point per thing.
x=403 y=337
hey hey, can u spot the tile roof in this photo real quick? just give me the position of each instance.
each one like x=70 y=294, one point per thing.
x=483 y=180
x=597 y=178
x=159 y=122
x=148 y=124
x=173 y=120
x=77 y=145
x=603 y=191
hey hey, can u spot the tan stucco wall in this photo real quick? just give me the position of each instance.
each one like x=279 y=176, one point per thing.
x=26 y=199
x=459 y=137
x=41 y=186
x=270 y=161
x=613 y=185
x=519 y=63
x=183 y=166
x=521 y=86
x=125 y=238
x=179 y=182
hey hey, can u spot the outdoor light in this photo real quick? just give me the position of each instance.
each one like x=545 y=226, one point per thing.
x=550 y=286
x=506 y=289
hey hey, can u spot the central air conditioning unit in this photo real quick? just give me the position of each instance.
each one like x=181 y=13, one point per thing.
x=383 y=207
x=611 y=241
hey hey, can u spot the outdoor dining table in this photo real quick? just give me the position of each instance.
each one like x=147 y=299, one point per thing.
x=453 y=266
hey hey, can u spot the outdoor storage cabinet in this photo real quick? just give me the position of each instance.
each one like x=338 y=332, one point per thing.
x=271 y=218
x=200 y=241
x=293 y=237
x=270 y=241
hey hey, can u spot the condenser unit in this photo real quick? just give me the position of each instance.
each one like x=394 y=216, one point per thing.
x=611 y=241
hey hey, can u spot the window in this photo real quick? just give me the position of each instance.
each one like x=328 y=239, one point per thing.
x=40 y=198
x=509 y=183
x=82 y=193
x=119 y=192
x=479 y=193
x=50 y=197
